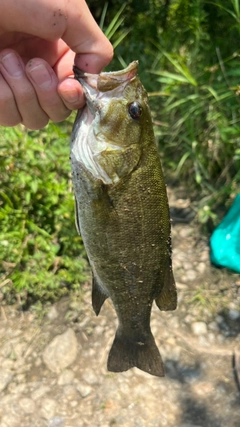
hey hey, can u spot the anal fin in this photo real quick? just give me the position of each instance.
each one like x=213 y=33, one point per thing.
x=99 y=295
x=167 y=299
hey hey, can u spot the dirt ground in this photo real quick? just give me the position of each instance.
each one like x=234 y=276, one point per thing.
x=53 y=365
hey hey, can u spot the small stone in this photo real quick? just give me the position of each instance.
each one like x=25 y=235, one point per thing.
x=52 y=314
x=190 y=275
x=38 y=362
x=78 y=422
x=66 y=377
x=9 y=421
x=185 y=232
x=61 y=352
x=99 y=330
x=19 y=349
x=6 y=349
x=219 y=319
x=84 y=390
x=205 y=255
x=234 y=314
x=213 y=326
x=8 y=364
x=70 y=392
x=48 y=407
x=39 y=422
x=187 y=265
x=199 y=328
x=188 y=318
x=203 y=388
x=27 y=405
x=5 y=378
x=56 y=422
x=174 y=322
x=20 y=378
x=211 y=337
x=39 y=392
x=201 y=267
x=17 y=388
x=204 y=341
x=220 y=339
x=89 y=376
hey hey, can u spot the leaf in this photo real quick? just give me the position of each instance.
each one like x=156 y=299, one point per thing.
x=120 y=38
x=212 y=91
x=103 y=16
x=115 y=23
x=182 y=69
x=169 y=77
x=182 y=161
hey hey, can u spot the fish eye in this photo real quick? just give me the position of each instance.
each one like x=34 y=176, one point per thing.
x=135 y=110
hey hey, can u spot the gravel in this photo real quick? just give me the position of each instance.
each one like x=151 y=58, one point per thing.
x=53 y=370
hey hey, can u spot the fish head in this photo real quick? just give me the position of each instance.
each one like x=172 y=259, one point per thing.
x=108 y=136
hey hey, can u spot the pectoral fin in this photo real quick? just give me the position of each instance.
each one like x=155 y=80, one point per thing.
x=167 y=299
x=99 y=295
x=77 y=223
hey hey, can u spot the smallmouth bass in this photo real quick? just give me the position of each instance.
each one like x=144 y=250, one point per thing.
x=122 y=212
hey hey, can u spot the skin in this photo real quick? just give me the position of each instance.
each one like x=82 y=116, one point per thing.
x=39 y=42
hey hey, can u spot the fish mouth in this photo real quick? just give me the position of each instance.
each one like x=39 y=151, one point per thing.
x=107 y=81
x=98 y=86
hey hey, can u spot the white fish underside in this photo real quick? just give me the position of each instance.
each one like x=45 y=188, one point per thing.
x=89 y=143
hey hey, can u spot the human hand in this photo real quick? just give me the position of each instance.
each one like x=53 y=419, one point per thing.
x=38 y=43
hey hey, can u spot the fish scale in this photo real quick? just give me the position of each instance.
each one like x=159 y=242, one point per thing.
x=122 y=212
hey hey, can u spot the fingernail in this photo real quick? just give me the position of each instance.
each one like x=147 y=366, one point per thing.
x=12 y=65
x=41 y=76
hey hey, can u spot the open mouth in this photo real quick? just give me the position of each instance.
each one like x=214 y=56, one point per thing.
x=107 y=81
x=104 y=85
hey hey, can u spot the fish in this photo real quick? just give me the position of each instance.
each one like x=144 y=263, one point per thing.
x=122 y=212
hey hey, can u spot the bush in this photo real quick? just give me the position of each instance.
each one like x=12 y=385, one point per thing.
x=41 y=255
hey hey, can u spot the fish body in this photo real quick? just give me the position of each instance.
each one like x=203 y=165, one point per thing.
x=122 y=212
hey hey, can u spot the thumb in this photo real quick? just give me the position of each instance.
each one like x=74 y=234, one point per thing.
x=83 y=36
x=52 y=20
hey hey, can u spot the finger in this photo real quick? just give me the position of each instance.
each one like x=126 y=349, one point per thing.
x=69 y=89
x=57 y=19
x=12 y=69
x=9 y=114
x=94 y=51
x=71 y=93
x=45 y=83
x=36 y=17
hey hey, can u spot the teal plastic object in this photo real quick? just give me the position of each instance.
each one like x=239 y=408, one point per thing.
x=225 y=240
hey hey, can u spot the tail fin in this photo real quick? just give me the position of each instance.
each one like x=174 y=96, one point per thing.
x=126 y=354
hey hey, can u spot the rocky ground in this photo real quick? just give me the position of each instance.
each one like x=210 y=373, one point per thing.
x=53 y=367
